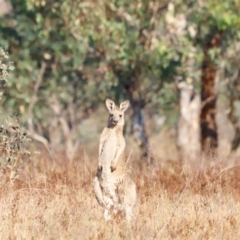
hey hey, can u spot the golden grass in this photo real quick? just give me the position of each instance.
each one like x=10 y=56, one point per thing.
x=57 y=202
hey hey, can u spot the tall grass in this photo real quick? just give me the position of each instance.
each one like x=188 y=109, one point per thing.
x=55 y=200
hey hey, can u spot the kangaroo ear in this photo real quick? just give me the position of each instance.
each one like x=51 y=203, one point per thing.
x=110 y=104
x=124 y=105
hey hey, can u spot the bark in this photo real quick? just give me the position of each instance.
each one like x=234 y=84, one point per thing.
x=236 y=139
x=208 y=96
x=234 y=88
x=188 y=124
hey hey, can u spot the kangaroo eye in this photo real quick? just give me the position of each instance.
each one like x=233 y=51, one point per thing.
x=120 y=115
x=111 y=115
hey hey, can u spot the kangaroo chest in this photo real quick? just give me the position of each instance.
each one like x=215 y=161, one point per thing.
x=113 y=142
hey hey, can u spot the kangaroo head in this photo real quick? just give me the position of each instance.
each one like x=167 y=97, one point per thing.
x=116 y=114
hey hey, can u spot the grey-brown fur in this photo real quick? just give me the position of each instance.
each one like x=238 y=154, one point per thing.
x=114 y=188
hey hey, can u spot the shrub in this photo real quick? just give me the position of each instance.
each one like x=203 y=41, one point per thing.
x=13 y=137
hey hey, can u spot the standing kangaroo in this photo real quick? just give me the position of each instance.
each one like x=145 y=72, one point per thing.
x=114 y=188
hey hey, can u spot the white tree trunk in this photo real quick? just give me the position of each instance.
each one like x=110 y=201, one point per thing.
x=188 y=140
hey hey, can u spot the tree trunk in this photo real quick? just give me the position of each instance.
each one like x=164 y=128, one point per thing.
x=236 y=139
x=234 y=89
x=208 y=96
x=138 y=124
x=130 y=80
x=67 y=132
x=188 y=140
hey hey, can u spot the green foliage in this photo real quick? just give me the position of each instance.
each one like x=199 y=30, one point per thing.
x=5 y=66
x=36 y=34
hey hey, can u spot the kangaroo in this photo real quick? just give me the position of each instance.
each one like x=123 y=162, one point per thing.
x=114 y=188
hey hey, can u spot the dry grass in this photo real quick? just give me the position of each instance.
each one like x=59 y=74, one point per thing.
x=57 y=202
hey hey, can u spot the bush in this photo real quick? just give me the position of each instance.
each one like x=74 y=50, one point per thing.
x=13 y=137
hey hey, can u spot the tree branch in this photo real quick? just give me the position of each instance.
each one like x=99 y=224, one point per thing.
x=33 y=101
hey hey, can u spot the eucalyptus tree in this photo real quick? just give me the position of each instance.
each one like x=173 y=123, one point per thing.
x=218 y=24
x=133 y=52
x=209 y=30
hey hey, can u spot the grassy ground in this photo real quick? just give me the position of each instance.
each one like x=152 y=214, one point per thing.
x=56 y=201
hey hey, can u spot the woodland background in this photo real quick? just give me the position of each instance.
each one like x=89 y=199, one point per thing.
x=176 y=61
